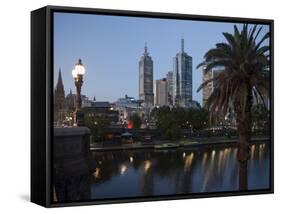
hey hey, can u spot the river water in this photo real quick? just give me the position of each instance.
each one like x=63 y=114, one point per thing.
x=117 y=174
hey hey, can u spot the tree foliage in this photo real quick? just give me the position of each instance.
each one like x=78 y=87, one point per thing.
x=97 y=124
x=171 y=121
x=136 y=120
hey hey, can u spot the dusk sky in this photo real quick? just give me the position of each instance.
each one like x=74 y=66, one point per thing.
x=110 y=48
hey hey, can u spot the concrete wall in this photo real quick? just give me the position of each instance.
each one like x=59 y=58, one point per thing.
x=70 y=142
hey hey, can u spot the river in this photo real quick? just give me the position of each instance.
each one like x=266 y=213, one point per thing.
x=128 y=173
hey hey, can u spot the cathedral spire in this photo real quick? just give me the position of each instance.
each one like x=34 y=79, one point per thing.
x=59 y=87
x=59 y=78
x=59 y=102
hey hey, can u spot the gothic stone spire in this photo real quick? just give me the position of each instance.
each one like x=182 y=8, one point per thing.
x=59 y=87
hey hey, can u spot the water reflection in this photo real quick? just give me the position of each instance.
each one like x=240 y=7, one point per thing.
x=123 y=169
x=160 y=172
x=96 y=173
x=261 y=151
x=147 y=165
x=188 y=162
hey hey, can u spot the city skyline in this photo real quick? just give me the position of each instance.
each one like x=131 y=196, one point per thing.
x=110 y=48
x=139 y=96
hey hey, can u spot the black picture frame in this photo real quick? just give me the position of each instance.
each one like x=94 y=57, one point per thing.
x=42 y=103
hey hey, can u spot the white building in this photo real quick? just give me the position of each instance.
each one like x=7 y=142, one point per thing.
x=161 y=92
x=209 y=88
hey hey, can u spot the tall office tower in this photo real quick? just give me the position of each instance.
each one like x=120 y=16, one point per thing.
x=169 y=77
x=182 y=90
x=209 y=88
x=59 y=102
x=217 y=117
x=146 y=79
x=161 y=92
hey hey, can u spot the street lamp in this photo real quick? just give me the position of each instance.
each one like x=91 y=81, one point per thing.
x=78 y=73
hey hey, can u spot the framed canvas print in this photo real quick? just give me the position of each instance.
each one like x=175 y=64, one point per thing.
x=134 y=106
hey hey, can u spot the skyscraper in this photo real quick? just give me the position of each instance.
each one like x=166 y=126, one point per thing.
x=209 y=88
x=217 y=117
x=161 y=92
x=169 y=77
x=146 y=79
x=59 y=102
x=182 y=77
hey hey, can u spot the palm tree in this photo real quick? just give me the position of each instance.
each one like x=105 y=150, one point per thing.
x=245 y=61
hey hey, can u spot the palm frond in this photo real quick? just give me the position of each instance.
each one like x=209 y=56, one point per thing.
x=257 y=34
x=245 y=63
x=266 y=36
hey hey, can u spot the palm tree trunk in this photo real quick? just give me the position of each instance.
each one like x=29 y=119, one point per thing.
x=243 y=175
x=243 y=150
x=244 y=120
x=244 y=129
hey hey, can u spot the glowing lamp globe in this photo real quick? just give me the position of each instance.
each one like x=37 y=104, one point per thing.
x=79 y=69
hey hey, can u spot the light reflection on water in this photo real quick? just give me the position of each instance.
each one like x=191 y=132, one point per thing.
x=188 y=162
x=152 y=172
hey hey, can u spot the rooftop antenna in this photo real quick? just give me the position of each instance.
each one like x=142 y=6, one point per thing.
x=182 y=45
x=145 y=49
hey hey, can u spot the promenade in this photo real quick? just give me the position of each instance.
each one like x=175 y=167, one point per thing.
x=187 y=143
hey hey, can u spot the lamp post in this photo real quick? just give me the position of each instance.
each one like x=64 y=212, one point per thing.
x=78 y=73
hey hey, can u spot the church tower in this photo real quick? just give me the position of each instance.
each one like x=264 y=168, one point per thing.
x=59 y=102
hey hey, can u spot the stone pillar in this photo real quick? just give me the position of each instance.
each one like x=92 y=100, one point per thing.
x=71 y=164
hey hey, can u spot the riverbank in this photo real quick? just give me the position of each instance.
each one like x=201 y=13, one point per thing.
x=187 y=143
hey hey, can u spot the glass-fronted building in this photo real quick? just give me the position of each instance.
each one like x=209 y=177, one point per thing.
x=182 y=90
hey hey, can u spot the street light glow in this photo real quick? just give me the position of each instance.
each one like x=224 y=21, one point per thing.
x=79 y=69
